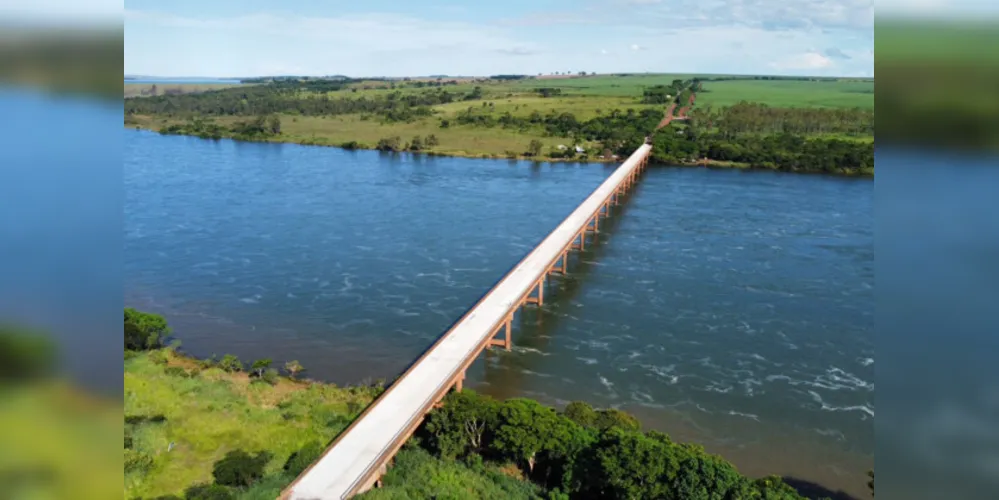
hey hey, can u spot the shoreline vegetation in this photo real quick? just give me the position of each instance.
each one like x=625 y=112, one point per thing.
x=218 y=429
x=523 y=118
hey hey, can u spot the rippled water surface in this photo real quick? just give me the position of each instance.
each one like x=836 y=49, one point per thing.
x=731 y=308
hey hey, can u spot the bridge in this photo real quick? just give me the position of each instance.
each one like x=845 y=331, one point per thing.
x=355 y=461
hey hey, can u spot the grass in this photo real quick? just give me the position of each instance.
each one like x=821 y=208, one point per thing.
x=473 y=142
x=211 y=412
x=789 y=93
x=145 y=89
x=58 y=442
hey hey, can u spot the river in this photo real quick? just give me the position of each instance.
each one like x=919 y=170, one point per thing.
x=730 y=308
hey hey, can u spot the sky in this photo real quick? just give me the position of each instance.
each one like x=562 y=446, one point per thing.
x=222 y=38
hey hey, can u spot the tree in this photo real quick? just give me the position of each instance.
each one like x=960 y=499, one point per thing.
x=240 y=469
x=462 y=425
x=274 y=124
x=613 y=418
x=629 y=465
x=581 y=413
x=534 y=148
x=293 y=368
x=231 y=364
x=303 y=458
x=524 y=429
x=416 y=144
x=152 y=90
x=260 y=365
x=432 y=141
x=144 y=330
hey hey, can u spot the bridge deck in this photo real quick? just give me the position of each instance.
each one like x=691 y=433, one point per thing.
x=359 y=455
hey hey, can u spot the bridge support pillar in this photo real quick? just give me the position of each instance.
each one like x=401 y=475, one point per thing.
x=459 y=381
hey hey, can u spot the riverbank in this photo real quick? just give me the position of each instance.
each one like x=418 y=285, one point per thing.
x=241 y=430
x=353 y=145
x=183 y=415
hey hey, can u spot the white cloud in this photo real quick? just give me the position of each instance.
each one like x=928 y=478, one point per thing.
x=636 y=46
x=805 y=61
x=603 y=51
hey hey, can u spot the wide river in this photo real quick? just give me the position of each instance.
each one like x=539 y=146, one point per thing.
x=734 y=309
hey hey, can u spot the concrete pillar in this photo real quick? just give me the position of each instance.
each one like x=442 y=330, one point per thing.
x=565 y=257
x=459 y=382
x=541 y=292
x=509 y=343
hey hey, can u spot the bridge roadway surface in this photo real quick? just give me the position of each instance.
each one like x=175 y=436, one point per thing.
x=359 y=456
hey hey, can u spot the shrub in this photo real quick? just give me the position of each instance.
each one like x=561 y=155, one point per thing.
x=25 y=354
x=271 y=376
x=389 y=143
x=137 y=461
x=293 y=368
x=231 y=364
x=175 y=371
x=209 y=362
x=303 y=458
x=158 y=357
x=144 y=330
x=351 y=145
x=208 y=492
x=239 y=468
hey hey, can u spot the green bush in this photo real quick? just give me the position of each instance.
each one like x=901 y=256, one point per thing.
x=303 y=458
x=209 y=492
x=137 y=461
x=158 y=357
x=175 y=371
x=144 y=331
x=231 y=364
x=271 y=376
x=25 y=354
x=239 y=468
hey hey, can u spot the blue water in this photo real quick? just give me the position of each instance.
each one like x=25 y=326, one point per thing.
x=729 y=308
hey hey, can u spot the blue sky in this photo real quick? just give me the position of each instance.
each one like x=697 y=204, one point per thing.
x=405 y=37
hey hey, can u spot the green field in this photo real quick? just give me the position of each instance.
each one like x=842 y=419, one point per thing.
x=789 y=93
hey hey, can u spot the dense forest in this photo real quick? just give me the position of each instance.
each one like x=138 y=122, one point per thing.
x=302 y=98
x=754 y=118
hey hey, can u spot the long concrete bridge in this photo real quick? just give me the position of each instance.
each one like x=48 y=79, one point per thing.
x=359 y=456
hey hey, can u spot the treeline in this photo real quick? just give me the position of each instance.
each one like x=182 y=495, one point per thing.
x=788 y=152
x=754 y=118
x=548 y=91
x=620 y=131
x=260 y=128
x=293 y=98
x=585 y=453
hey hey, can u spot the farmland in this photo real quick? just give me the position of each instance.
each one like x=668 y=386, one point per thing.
x=530 y=117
